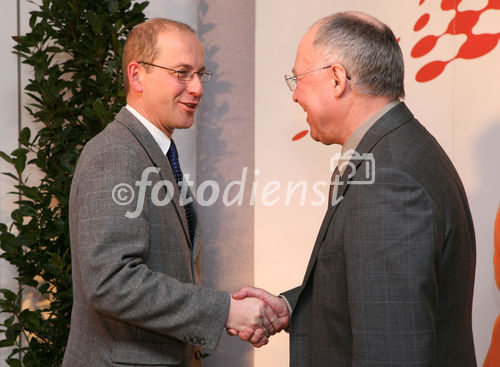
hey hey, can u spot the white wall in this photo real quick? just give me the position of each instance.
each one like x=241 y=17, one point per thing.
x=9 y=130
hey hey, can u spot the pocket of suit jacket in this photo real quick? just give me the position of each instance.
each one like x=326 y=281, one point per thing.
x=146 y=353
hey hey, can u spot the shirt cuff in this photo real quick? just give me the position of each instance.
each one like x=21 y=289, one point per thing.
x=287 y=304
x=289 y=311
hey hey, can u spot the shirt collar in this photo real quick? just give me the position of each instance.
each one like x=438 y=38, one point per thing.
x=352 y=141
x=158 y=135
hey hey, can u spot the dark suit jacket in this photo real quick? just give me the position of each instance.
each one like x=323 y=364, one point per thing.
x=136 y=281
x=390 y=279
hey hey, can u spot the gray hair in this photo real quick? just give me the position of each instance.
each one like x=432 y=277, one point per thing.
x=367 y=49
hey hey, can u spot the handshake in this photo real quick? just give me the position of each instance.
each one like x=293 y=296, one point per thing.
x=255 y=315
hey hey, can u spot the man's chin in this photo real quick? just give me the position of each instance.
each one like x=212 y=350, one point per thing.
x=322 y=139
x=314 y=136
x=186 y=124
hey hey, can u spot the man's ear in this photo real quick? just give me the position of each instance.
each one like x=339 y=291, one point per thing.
x=338 y=76
x=134 y=73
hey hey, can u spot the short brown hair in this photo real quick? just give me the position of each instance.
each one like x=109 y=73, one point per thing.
x=141 y=42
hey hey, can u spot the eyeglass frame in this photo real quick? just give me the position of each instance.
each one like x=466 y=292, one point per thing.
x=201 y=74
x=293 y=78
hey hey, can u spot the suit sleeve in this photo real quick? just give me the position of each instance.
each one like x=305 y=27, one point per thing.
x=291 y=296
x=110 y=252
x=391 y=251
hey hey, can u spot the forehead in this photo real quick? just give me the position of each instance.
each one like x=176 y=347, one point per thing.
x=306 y=56
x=179 y=48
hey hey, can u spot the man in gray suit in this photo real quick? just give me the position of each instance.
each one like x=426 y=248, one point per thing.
x=135 y=234
x=390 y=279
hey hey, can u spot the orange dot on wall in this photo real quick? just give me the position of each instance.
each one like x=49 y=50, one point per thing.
x=424 y=46
x=450 y=4
x=300 y=135
x=430 y=71
x=478 y=45
x=422 y=22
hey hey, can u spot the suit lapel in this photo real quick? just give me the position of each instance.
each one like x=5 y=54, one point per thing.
x=157 y=158
x=197 y=228
x=389 y=122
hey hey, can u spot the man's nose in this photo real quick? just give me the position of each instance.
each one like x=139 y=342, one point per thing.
x=195 y=86
x=294 y=96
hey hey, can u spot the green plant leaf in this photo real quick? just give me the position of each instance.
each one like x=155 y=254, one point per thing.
x=6 y=157
x=20 y=164
x=6 y=343
x=10 y=175
x=44 y=288
x=13 y=331
x=9 y=246
x=31 y=318
x=8 y=294
x=24 y=136
x=14 y=362
x=30 y=192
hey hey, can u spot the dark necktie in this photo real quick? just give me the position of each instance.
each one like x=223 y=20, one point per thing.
x=334 y=181
x=173 y=158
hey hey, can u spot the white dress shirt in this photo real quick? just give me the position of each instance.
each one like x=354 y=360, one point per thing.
x=158 y=135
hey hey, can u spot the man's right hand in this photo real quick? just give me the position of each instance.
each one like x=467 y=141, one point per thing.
x=253 y=314
x=277 y=304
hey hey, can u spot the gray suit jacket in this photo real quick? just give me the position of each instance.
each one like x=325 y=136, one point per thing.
x=136 y=280
x=391 y=276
